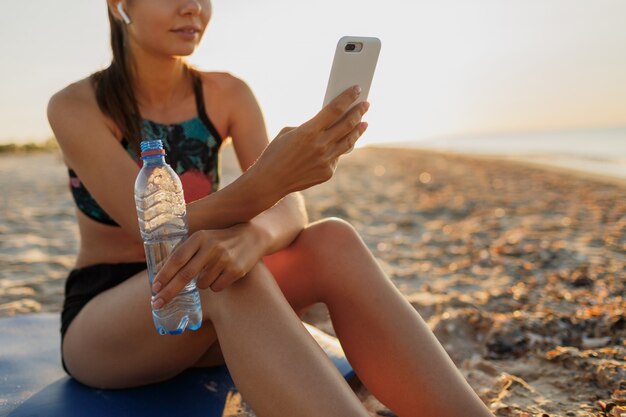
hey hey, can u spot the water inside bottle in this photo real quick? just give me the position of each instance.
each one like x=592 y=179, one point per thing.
x=184 y=311
x=157 y=252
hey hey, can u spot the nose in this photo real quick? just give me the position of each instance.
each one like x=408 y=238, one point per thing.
x=191 y=7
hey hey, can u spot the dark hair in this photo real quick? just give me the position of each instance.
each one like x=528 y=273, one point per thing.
x=114 y=88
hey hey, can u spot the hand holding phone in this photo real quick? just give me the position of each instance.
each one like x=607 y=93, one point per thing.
x=354 y=64
x=309 y=152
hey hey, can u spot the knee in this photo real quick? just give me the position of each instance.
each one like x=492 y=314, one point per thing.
x=332 y=245
x=332 y=235
x=319 y=241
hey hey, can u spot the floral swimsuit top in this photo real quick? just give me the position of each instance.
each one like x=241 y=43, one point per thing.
x=192 y=150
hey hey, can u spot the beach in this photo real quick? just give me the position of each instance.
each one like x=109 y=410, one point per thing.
x=520 y=271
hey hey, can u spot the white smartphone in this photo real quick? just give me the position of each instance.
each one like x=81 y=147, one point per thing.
x=354 y=64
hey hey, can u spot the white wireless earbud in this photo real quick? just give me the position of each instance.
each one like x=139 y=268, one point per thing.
x=125 y=17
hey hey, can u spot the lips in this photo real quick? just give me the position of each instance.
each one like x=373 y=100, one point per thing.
x=187 y=29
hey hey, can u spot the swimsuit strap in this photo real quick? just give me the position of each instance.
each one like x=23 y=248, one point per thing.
x=197 y=89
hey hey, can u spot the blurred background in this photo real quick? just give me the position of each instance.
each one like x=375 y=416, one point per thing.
x=488 y=76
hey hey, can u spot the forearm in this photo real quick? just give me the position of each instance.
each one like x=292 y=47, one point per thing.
x=281 y=224
x=238 y=202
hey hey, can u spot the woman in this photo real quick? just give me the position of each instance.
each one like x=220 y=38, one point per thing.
x=259 y=263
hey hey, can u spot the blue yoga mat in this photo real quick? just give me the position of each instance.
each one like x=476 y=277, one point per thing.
x=33 y=383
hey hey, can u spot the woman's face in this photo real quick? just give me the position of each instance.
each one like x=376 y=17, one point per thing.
x=167 y=27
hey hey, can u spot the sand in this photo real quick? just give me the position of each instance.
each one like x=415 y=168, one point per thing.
x=520 y=271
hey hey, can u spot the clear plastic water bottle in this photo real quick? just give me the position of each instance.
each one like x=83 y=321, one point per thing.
x=162 y=215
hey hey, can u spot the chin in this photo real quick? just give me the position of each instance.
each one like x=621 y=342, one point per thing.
x=181 y=51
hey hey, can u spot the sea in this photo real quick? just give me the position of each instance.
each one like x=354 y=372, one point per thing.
x=601 y=152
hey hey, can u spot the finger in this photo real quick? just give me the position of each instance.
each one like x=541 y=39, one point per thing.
x=229 y=273
x=179 y=257
x=226 y=278
x=212 y=272
x=346 y=144
x=346 y=124
x=333 y=110
x=180 y=280
x=220 y=282
x=204 y=250
x=220 y=260
x=202 y=277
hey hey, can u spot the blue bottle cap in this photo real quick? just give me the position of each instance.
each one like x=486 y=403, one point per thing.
x=152 y=148
x=151 y=144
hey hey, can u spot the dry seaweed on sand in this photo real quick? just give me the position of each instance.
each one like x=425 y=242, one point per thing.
x=520 y=272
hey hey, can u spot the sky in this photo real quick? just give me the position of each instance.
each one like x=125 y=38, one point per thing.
x=445 y=68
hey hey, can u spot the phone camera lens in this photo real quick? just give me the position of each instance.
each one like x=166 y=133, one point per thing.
x=350 y=47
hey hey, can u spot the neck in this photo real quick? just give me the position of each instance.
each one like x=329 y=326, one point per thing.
x=159 y=82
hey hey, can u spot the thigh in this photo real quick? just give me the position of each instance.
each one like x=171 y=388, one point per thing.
x=113 y=343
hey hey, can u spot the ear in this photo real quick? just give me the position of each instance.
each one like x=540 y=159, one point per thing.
x=120 y=9
x=117 y=9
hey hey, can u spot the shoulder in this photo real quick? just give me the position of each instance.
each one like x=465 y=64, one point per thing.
x=75 y=94
x=229 y=88
x=78 y=97
x=69 y=102
x=233 y=96
x=224 y=81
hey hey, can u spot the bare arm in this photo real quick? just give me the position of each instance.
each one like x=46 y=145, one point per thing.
x=109 y=173
x=295 y=160
x=301 y=157
x=278 y=226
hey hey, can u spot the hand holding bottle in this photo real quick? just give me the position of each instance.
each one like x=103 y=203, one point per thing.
x=216 y=257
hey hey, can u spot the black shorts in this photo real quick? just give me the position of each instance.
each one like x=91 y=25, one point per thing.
x=83 y=284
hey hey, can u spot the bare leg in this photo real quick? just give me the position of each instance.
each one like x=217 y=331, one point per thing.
x=389 y=345
x=277 y=366
x=112 y=343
